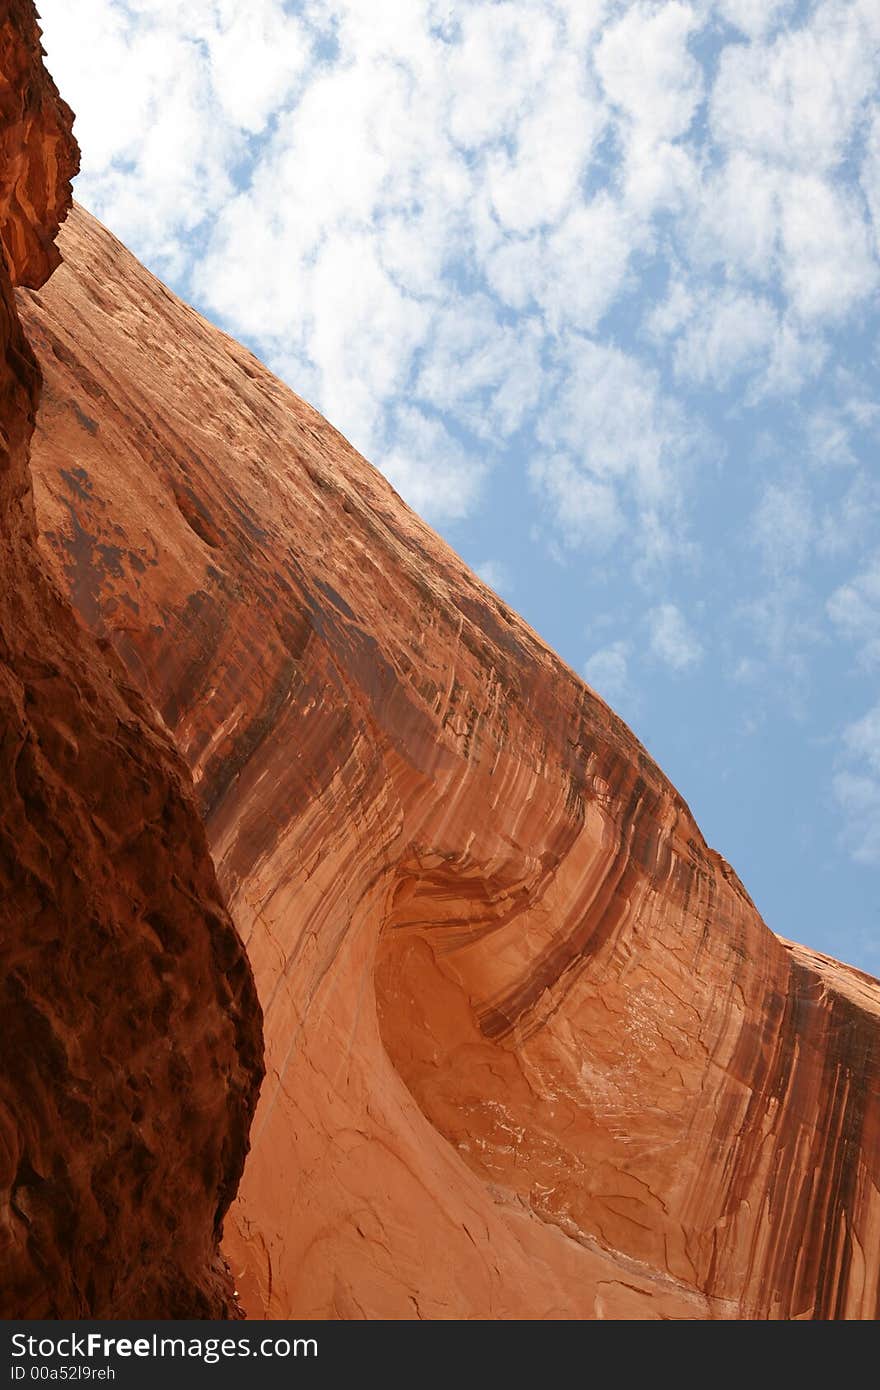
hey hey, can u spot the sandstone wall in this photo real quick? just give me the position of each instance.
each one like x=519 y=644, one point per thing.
x=531 y=1051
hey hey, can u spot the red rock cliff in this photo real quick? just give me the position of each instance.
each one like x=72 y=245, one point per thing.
x=130 y=1037
x=531 y=1050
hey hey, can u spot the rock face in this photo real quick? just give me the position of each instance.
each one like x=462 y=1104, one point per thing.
x=531 y=1051
x=130 y=1037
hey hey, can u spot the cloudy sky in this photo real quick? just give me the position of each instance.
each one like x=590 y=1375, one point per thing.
x=595 y=284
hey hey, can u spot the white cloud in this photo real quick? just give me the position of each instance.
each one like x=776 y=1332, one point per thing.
x=647 y=70
x=427 y=217
x=257 y=57
x=837 y=432
x=797 y=356
x=849 y=518
x=613 y=412
x=535 y=183
x=870 y=176
x=827 y=266
x=486 y=372
x=584 y=262
x=783 y=527
x=854 y=608
x=607 y=671
x=496 y=574
x=504 y=53
x=857 y=787
x=430 y=471
x=862 y=739
x=796 y=232
x=755 y=17
x=719 y=335
x=585 y=509
x=795 y=101
x=573 y=273
x=661 y=180
x=829 y=437
x=164 y=95
x=654 y=85
x=736 y=216
x=725 y=335
x=625 y=451
x=784 y=114
x=782 y=621
x=859 y=799
x=672 y=640
x=363 y=332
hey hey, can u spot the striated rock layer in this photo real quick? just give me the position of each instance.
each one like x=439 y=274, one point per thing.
x=130 y=1044
x=531 y=1050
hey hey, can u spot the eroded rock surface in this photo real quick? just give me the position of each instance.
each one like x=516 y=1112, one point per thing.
x=130 y=1042
x=531 y=1050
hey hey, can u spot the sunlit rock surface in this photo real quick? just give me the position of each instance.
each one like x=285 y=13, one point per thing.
x=531 y=1050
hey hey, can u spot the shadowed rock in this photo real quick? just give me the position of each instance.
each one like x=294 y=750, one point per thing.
x=130 y=1032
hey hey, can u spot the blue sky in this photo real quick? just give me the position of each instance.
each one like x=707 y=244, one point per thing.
x=595 y=284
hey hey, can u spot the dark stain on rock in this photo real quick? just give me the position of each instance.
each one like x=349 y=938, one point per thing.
x=85 y=420
x=219 y=778
x=77 y=479
x=336 y=599
x=807 y=1268
x=111 y=558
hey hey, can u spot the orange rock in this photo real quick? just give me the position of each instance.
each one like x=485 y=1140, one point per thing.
x=38 y=154
x=531 y=1050
x=130 y=1042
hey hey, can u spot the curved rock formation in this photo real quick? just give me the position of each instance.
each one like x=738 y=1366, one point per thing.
x=130 y=1046
x=531 y=1050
